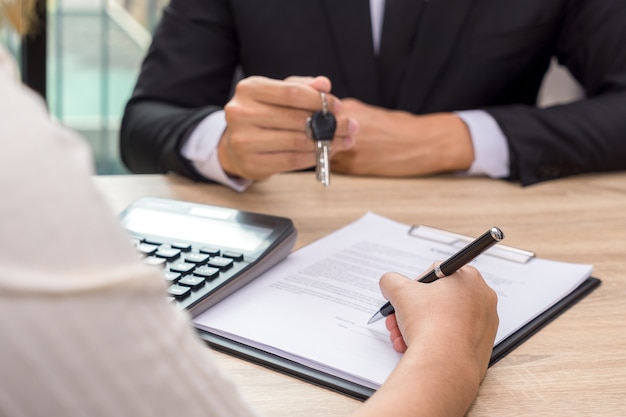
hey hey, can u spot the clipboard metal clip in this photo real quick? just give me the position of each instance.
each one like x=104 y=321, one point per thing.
x=457 y=240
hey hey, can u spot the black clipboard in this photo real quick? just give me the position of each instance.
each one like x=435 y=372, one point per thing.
x=361 y=392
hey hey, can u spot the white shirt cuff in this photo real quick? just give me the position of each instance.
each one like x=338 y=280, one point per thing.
x=201 y=150
x=491 y=151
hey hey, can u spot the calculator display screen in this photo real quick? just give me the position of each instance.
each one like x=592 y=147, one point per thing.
x=189 y=228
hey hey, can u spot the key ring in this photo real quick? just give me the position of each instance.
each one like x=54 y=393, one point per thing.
x=324 y=103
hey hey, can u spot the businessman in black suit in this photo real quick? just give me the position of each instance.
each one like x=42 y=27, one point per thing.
x=444 y=86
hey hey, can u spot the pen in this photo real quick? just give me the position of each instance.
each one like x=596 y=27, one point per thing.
x=451 y=265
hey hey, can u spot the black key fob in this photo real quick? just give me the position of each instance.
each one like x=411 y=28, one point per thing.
x=321 y=125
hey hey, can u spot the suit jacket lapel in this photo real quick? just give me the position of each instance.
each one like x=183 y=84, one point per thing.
x=351 y=28
x=439 y=27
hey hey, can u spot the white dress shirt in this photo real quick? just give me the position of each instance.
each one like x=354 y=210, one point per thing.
x=491 y=152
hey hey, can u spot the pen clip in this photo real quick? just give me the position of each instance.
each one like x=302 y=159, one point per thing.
x=457 y=240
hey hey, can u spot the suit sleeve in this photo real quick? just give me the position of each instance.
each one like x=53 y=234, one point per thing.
x=187 y=74
x=587 y=135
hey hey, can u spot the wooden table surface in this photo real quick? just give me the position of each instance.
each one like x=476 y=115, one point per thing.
x=575 y=366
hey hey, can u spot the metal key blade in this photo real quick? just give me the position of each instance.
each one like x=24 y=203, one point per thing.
x=321 y=128
x=322 y=167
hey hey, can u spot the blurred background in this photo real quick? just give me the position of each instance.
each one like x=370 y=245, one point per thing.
x=86 y=62
x=93 y=51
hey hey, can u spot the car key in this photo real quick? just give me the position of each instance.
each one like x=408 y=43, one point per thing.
x=321 y=126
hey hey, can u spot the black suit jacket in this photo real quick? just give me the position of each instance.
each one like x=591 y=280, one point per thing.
x=468 y=54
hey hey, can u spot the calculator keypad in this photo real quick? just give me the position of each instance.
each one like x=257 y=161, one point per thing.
x=191 y=273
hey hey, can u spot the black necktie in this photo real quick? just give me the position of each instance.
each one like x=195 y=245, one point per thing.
x=398 y=36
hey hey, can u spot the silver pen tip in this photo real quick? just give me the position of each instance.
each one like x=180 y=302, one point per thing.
x=375 y=318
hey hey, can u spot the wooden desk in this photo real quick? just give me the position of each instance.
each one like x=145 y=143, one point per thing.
x=576 y=366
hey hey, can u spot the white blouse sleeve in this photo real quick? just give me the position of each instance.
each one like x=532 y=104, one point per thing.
x=86 y=329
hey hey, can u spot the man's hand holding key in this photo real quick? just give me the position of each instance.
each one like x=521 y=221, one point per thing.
x=267 y=124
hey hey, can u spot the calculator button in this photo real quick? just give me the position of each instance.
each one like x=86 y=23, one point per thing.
x=192 y=281
x=235 y=256
x=210 y=250
x=167 y=253
x=222 y=263
x=207 y=272
x=154 y=261
x=183 y=246
x=178 y=291
x=190 y=272
x=146 y=248
x=182 y=267
x=196 y=258
x=171 y=277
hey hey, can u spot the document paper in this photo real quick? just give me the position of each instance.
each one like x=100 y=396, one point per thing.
x=313 y=307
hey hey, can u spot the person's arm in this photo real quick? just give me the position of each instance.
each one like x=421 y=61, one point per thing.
x=179 y=84
x=85 y=324
x=187 y=75
x=586 y=135
x=152 y=136
x=395 y=143
x=264 y=134
x=542 y=144
x=446 y=330
x=201 y=150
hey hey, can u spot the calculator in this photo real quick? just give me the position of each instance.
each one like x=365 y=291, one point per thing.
x=205 y=252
